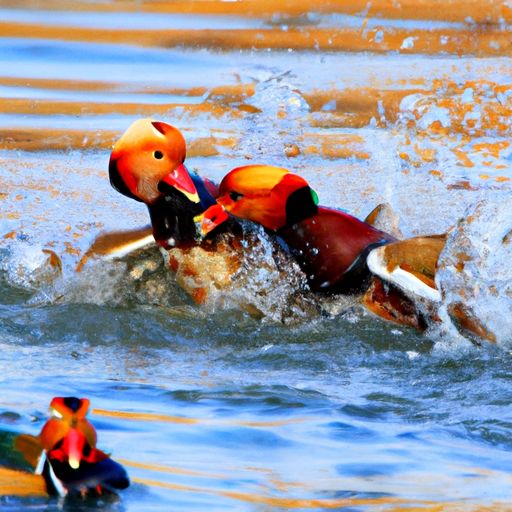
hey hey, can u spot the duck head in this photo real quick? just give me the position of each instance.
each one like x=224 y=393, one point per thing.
x=68 y=435
x=271 y=196
x=148 y=159
x=146 y=164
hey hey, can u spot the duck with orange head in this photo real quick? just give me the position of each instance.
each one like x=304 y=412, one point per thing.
x=331 y=246
x=147 y=164
x=67 y=456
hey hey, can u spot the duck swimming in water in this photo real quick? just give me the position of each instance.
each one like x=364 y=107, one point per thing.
x=337 y=252
x=203 y=244
x=330 y=245
x=67 y=456
x=147 y=164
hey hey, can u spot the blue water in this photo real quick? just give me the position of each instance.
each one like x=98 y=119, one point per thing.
x=330 y=409
x=219 y=410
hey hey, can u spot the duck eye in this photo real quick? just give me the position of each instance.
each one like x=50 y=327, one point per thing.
x=158 y=155
x=235 y=196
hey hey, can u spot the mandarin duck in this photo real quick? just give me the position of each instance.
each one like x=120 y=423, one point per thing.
x=337 y=252
x=65 y=452
x=147 y=164
x=206 y=248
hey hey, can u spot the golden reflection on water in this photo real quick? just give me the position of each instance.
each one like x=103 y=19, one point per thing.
x=350 y=109
x=275 y=501
x=138 y=416
x=20 y=483
x=488 y=41
x=489 y=11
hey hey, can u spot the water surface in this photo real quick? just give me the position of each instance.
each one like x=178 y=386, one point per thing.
x=212 y=408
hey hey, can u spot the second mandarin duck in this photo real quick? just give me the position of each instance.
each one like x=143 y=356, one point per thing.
x=337 y=252
x=330 y=245
x=68 y=458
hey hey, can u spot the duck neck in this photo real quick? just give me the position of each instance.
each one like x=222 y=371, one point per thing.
x=172 y=215
x=299 y=206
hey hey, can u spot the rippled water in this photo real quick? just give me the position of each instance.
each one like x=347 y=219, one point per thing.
x=215 y=409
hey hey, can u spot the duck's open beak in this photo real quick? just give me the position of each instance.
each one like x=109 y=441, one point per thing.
x=180 y=180
x=207 y=221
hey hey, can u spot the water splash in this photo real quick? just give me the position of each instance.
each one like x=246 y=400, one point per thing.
x=269 y=284
x=272 y=131
x=474 y=273
x=29 y=266
x=461 y=131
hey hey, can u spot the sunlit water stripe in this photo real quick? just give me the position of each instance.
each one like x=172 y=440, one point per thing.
x=151 y=21
x=37 y=107
x=188 y=68
x=484 y=11
x=490 y=41
x=366 y=21
x=87 y=96
x=166 y=418
x=127 y=20
x=223 y=93
x=16 y=483
x=114 y=121
x=200 y=142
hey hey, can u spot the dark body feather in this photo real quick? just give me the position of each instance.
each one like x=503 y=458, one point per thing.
x=331 y=247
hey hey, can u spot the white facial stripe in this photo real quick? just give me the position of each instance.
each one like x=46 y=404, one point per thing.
x=157 y=132
x=55 y=413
